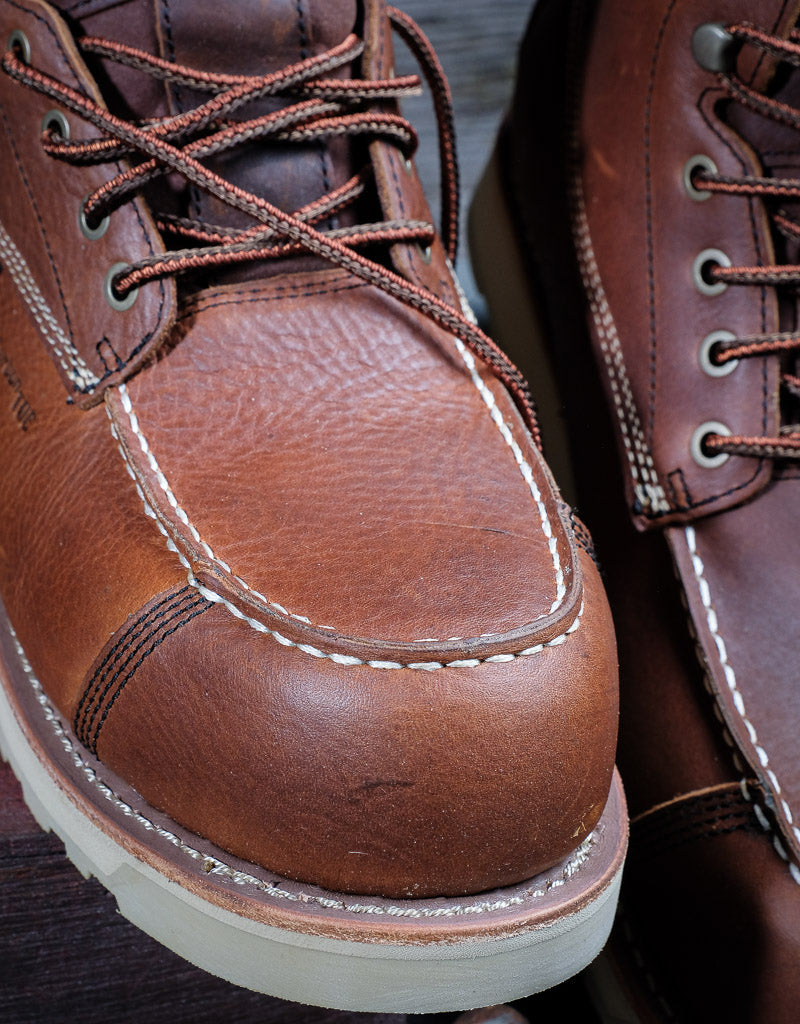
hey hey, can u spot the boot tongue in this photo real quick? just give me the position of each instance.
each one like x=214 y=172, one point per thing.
x=251 y=37
x=245 y=37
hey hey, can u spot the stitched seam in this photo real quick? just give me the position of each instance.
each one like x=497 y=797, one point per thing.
x=181 y=620
x=211 y=865
x=123 y=643
x=649 y=216
x=647 y=489
x=162 y=291
x=736 y=695
x=339 y=659
x=188 y=313
x=497 y=418
x=67 y=355
x=103 y=681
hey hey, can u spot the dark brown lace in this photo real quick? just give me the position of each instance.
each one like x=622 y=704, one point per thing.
x=787 y=443
x=318 y=107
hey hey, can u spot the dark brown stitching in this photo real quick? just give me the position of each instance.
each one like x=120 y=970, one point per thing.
x=199 y=608
x=187 y=314
x=151 y=621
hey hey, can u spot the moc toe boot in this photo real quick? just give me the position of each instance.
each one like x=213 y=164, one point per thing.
x=645 y=187
x=303 y=655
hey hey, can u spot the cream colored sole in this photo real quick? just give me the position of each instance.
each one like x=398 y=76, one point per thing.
x=297 y=942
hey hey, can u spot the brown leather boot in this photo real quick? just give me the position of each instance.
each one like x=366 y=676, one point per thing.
x=304 y=658
x=647 y=180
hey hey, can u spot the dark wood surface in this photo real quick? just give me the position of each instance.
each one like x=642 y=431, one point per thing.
x=65 y=952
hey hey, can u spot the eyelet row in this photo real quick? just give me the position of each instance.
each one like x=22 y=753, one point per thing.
x=703 y=262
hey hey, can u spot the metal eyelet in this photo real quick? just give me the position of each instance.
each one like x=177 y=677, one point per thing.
x=86 y=230
x=706 y=352
x=408 y=167
x=425 y=253
x=108 y=290
x=56 y=119
x=699 y=454
x=701 y=263
x=18 y=40
x=714 y=48
x=695 y=163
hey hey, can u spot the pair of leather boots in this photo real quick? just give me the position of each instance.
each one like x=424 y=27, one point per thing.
x=304 y=655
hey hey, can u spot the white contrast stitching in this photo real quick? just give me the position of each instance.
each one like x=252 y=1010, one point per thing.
x=730 y=677
x=647 y=489
x=524 y=468
x=69 y=357
x=497 y=418
x=314 y=652
x=211 y=865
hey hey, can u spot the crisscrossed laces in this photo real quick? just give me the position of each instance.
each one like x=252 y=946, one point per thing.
x=318 y=107
x=770 y=189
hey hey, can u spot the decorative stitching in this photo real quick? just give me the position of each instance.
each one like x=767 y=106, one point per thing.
x=181 y=609
x=497 y=418
x=125 y=639
x=192 y=611
x=738 y=701
x=68 y=356
x=212 y=865
x=339 y=659
x=647 y=489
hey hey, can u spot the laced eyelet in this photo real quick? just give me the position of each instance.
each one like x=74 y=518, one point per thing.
x=714 y=48
x=425 y=253
x=86 y=230
x=19 y=41
x=706 y=354
x=108 y=290
x=698 y=449
x=702 y=263
x=698 y=162
x=56 y=119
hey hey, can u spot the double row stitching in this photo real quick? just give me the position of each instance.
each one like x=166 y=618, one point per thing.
x=90 y=720
x=66 y=353
x=648 y=491
x=212 y=865
x=738 y=703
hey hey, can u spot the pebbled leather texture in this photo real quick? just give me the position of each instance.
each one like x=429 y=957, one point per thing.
x=302 y=578
x=709 y=703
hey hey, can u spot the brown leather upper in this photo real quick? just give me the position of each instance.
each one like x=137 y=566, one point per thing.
x=610 y=107
x=302 y=579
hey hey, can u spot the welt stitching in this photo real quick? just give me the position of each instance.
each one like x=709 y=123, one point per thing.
x=86 y=726
x=124 y=641
x=211 y=865
x=649 y=216
x=179 y=624
x=736 y=695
